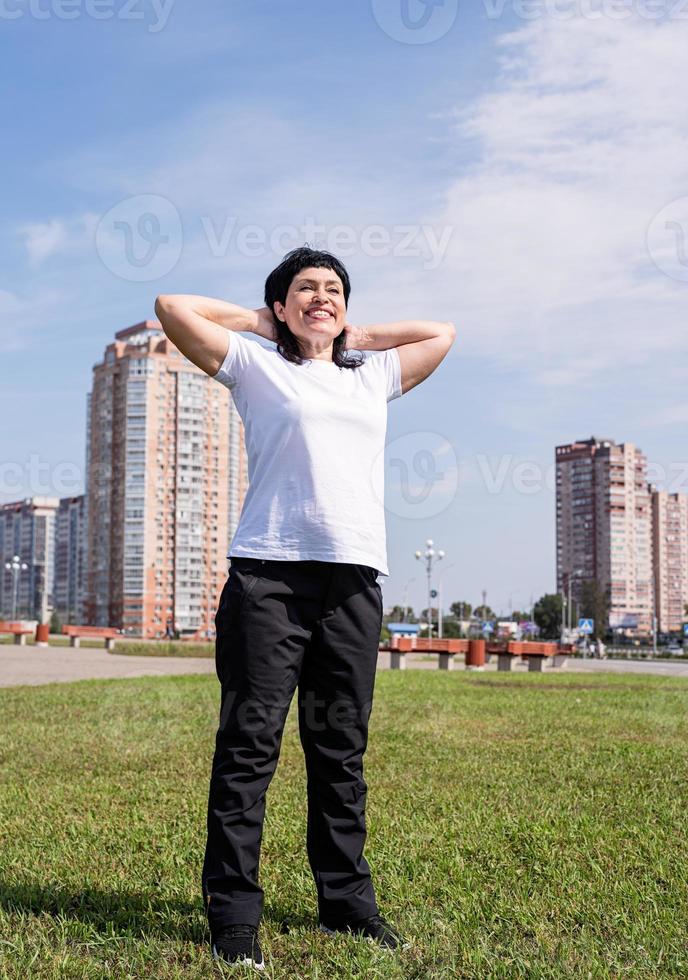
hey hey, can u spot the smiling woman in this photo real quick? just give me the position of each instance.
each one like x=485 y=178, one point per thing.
x=309 y=304
x=302 y=605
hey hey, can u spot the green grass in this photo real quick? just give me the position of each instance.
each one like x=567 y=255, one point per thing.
x=518 y=826
x=59 y=641
x=164 y=648
x=138 y=648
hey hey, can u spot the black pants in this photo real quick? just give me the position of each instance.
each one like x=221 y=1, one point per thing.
x=280 y=624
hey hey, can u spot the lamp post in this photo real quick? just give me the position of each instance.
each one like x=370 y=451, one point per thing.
x=405 y=606
x=439 y=599
x=16 y=566
x=572 y=575
x=563 y=612
x=654 y=617
x=429 y=554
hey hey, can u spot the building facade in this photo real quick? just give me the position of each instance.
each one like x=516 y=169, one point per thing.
x=670 y=548
x=166 y=477
x=70 y=556
x=27 y=530
x=604 y=528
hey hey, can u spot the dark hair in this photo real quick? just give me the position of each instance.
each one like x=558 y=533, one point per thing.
x=276 y=288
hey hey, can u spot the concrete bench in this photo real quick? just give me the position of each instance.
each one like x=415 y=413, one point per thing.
x=446 y=650
x=534 y=653
x=17 y=630
x=75 y=633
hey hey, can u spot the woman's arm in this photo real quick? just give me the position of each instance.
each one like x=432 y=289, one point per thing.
x=198 y=325
x=421 y=344
x=382 y=336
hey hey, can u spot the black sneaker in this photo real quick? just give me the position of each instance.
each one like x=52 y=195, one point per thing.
x=238 y=944
x=375 y=928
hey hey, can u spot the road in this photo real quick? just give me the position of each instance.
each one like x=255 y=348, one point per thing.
x=47 y=665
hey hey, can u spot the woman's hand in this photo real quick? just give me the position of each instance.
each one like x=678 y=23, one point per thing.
x=356 y=338
x=265 y=325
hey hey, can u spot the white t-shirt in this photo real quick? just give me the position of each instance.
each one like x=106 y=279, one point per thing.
x=315 y=438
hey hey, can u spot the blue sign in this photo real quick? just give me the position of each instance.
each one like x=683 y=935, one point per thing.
x=586 y=625
x=487 y=627
x=685 y=629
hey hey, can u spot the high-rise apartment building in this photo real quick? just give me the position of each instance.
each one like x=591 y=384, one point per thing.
x=166 y=478
x=70 y=555
x=670 y=548
x=576 y=528
x=27 y=530
x=604 y=527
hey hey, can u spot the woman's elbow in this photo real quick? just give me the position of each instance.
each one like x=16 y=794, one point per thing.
x=163 y=306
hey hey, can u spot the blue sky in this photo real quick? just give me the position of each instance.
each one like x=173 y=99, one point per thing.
x=522 y=174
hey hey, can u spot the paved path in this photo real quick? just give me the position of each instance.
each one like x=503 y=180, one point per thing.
x=41 y=665
x=44 y=665
x=573 y=665
x=677 y=668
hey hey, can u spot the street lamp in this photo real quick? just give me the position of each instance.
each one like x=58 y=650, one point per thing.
x=405 y=606
x=439 y=599
x=16 y=566
x=654 y=617
x=572 y=575
x=429 y=555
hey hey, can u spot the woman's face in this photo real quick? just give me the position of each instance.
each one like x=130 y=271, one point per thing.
x=315 y=307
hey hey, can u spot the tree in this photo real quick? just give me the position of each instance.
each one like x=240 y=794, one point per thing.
x=451 y=629
x=424 y=619
x=484 y=613
x=396 y=615
x=547 y=615
x=595 y=605
x=55 y=623
x=519 y=616
x=462 y=610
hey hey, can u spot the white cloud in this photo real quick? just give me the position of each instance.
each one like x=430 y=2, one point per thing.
x=55 y=236
x=579 y=142
x=582 y=141
x=224 y=168
x=42 y=240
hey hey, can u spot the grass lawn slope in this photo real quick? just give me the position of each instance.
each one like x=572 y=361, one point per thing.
x=518 y=826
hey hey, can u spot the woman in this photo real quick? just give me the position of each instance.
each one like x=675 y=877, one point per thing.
x=302 y=606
